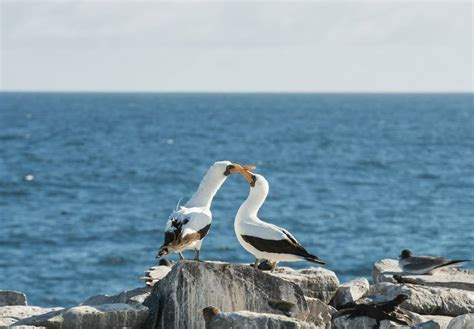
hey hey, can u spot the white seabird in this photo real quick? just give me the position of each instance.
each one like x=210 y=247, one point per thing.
x=262 y=239
x=425 y=264
x=189 y=224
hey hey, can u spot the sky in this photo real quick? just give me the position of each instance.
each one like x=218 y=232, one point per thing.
x=236 y=46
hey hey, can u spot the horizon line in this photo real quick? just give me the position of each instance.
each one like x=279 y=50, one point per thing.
x=234 y=92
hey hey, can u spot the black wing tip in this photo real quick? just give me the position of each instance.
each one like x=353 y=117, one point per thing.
x=162 y=252
x=315 y=259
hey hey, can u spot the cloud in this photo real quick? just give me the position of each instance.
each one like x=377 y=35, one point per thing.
x=237 y=45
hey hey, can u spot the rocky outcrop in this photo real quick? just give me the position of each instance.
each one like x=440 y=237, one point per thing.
x=133 y=296
x=315 y=282
x=458 y=278
x=85 y=317
x=10 y=298
x=427 y=300
x=350 y=292
x=364 y=322
x=177 y=300
x=465 y=321
x=252 y=320
x=319 y=313
x=11 y=315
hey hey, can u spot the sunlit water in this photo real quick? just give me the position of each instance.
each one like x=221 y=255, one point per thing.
x=87 y=181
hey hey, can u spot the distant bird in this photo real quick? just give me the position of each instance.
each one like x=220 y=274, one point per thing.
x=189 y=224
x=425 y=264
x=262 y=239
x=378 y=311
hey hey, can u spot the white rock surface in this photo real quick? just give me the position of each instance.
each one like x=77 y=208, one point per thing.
x=315 y=282
x=350 y=292
x=191 y=286
x=11 y=297
x=427 y=300
x=319 y=313
x=155 y=274
x=364 y=322
x=132 y=296
x=10 y=315
x=89 y=317
x=252 y=320
x=465 y=321
x=458 y=278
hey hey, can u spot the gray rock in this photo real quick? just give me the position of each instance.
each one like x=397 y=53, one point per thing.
x=252 y=320
x=364 y=322
x=450 y=277
x=319 y=313
x=350 y=292
x=465 y=321
x=315 y=282
x=98 y=316
x=427 y=300
x=133 y=296
x=10 y=315
x=11 y=297
x=441 y=320
x=177 y=300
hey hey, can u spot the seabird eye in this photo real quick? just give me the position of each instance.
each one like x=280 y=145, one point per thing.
x=254 y=179
x=228 y=169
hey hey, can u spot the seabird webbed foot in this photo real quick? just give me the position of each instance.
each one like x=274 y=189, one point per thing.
x=181 y=256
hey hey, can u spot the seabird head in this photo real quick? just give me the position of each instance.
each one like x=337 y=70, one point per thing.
x=227 y=168
x=405 y=254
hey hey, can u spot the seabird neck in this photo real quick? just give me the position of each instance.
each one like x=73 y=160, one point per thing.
x=254 y=202
x=210 y=184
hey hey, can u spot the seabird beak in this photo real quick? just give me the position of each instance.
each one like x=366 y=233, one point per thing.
x=235 y=168
x=248 y=175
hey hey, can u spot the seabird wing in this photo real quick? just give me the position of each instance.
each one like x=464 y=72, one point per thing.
x=424 y=263
x=273 y=239
x=186 y=226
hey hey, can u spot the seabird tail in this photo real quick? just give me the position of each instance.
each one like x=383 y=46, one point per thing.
x=454 y=262
x=315 y=259
x=163 y=252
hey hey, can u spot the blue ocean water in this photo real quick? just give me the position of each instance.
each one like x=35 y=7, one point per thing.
x=355 y=177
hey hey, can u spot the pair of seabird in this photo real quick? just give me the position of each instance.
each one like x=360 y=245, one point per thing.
x=188 y=225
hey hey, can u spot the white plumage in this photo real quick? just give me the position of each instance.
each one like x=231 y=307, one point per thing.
x=189 y=224
x=262 y=239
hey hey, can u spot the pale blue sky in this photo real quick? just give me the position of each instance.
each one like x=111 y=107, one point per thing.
x=236 y=46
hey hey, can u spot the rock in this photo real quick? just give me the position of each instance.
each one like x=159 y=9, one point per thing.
x=134 y=296
x=465 y=321
x=319 y=313
x=156 y=273
x=315 y=282
x=177 y=300
x=252 y=320
x=450 y=277
x=350 y=292
x=364 y=322
x=85 y=317
x=10 y=315
x=11 y=297
x=441 y=320
x=427 y=300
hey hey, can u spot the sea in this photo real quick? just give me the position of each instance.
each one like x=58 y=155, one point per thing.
x=88 y=180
